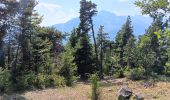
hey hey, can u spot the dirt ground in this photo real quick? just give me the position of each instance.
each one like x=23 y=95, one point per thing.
x=82 y=91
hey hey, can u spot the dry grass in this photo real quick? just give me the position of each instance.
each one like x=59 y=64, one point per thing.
x=82 y=91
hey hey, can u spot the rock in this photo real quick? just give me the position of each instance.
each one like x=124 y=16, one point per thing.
x=124 y=93
x=139 y=97
x=109 y=89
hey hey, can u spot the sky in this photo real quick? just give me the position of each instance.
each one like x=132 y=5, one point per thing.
x=61 y=11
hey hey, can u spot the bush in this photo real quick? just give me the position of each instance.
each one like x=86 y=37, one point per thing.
x=136 y=73
x=5 y=83
x=60 y=81
x=27 y=81
x=68 y=74
x=40 y=81
x=54 y=80
x=95 y=87
x=31 y=80
x=119 y=73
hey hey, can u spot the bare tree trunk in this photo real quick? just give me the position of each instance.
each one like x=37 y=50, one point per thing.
x=2 y=55
x=95 y=45
x=101 y=55
x=9 y=50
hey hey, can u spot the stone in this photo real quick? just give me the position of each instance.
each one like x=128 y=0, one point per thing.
x=124 y=93
x=139 y=97
x=110 y=90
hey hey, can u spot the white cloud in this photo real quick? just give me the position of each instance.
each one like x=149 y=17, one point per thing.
x=49 y=6
x=54 y=14
x=56 y=17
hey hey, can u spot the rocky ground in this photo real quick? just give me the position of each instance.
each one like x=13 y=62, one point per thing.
x=109 y=91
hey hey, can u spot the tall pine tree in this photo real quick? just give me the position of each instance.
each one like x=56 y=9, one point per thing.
x=124 y=41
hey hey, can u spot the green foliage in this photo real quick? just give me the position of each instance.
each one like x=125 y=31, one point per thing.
x=73 y=38
x=87 y=11
x=84 y=57
x=149 y=56
x=31 y=80
x=69 y=67
x=101 y=46
x=124 y=42
x=95 y=87
x=37 y=58
x=135 y=73
x=43 y=81
x=167 y=44
x=118 y=73
x=155 y=8
x=108 y=65
x=5 y=82
x=54 y=81
x=40 y=81
x=83 y=49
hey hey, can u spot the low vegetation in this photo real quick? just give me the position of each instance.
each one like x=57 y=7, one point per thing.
x=34 y=57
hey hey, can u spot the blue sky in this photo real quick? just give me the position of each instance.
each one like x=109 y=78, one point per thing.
x=60 y=11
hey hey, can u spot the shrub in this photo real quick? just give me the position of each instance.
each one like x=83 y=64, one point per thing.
x=21 y=84
x=31 y=80
x=60 y=81
x=5 y=83
x=136 y=73
x=54 y=80
x=119 y=73
x=40 y=81
x=68 y=74
x=95 y=87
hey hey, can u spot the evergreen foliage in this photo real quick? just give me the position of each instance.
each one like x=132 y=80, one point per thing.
x=84 y=57
x=68 y=71
x=95 y=87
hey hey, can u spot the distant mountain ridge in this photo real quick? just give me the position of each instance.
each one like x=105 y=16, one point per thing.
x=112 y=23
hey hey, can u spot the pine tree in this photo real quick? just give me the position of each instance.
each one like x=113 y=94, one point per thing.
x=101 y=40
x=124 y=38
x=41 y=55
x=9 y=10
x=69 y=67
x=84 y=57
x=83 y=50
x=73 y=38
x=29 y=21
x=87 y=11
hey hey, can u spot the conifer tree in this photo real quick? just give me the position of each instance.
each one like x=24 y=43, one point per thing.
x=84 y=57
x=84 y=51
x=9 y=10
x=101 y=41
x=69 y=67
x=73 y=38
x=124 y=38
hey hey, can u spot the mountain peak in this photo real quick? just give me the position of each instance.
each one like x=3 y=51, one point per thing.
x=112 y=23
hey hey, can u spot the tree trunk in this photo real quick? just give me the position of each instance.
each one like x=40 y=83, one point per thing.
x=2 y=55
x=101 y=56
x=95 y=45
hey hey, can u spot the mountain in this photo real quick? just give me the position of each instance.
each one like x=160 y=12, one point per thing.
x=112 y=23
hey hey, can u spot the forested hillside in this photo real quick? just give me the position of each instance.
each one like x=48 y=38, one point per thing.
x=33 y=57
